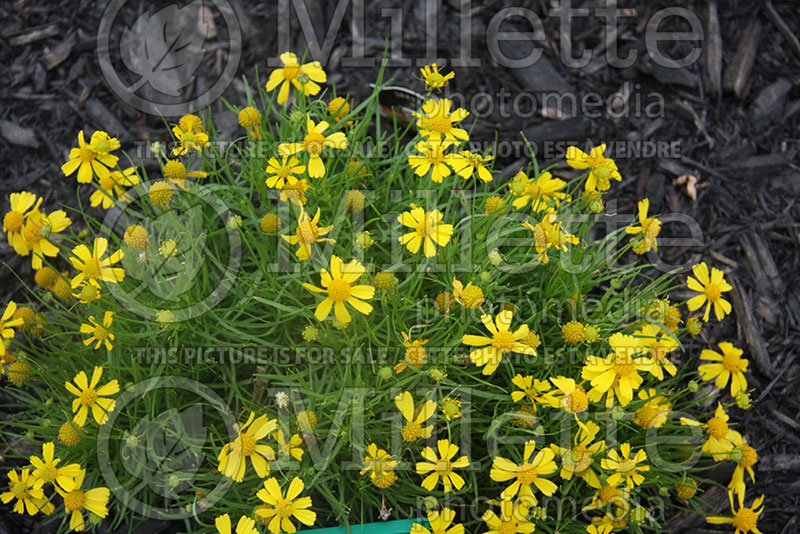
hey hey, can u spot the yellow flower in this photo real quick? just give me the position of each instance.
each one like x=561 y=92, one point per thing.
x=39 y=231
x=294 y=191
x=175 y=174
x=77 y=500
x=415 y=353
x=710 y=289
x=745 y=519
x=465 y=163
x=136 y=236
x=250 y=120
x=22 y=206
x=502 y=342
x=440 y=522
x=609 y=495
x=304 y=78
x=719 y=437
x=246 y=525
x=578 y=460
x=731 y=366
x=7 y=324
x=428 y=230
x=647 y=232
x=433 y=78
x=661 y=311
x=92 y=266
x=380 y=466
x=530 y=387
x=654 y=412
x=308 y=233
x=190 y=134
x=112 y=186
x=435 y=121
x=745 y=457
x=92 y=158
x=442 y=466
x=658 y=343
x=548 y=234
x=87 y=293
x=27 y=489
x=618 y=373
x=513 y=518
x=291 y=447
x=69 y=434
x=283 y=508
x=89 y=397
x=279 y=171
x=529 y=472
x=314 y=143
x=46 y=468
x=572 y=332
x=602 y=169
x=433 y=157
x=542 y=192
x=469 y=296
x=451 y=408
x=338 y=108
x=413 y=428
x=233 y=456
x=624 y=466
x=338 y=284
x=570 y=396
x=99 y=333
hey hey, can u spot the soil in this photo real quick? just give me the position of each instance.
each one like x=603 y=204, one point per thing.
x=727 y=123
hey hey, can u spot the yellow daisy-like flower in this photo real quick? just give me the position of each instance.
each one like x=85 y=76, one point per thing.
x=433 y=78
x=91 y=397
x=654 y=412
x=529 y=472
x=314 y=143
x=577 y=461
x=548 y=234
x=601 y=168
x=513 y=518
x=745 y=519
x=282 y=508
x=291 y=447
x=711 y=289
x=246 y=525
x=7 y=324
x=250 y=120
x=465 y=163
x=305 y=78
x=278 y=172
x=731 y=366
x=413 y=428
x=440 y=522
x=428 y=230
x=543 y=192
x=39 y=232
x=624 y=466
x=569 y=395
x=451 y=408
x=380 y=466
x=99 y=333
x=503 y=341
x=294 y=191
x=659 y=344
x=190 y=134
x=27 y=490
x=415 y=353
x=77 y=500
x=233 y=456
x=719 y=436
x=92 y=158
x=175 y=173
x=745 y=457
x=442 y=466
x=607 y=496
x=647 y=232
x=22 y=206
x=432 y=158
x=308 y=233
x=46 y=468
x=92 y=266
x=338 y=284
x=112 y=186
x=529 y=388
x=435 y=121
x=618 y=373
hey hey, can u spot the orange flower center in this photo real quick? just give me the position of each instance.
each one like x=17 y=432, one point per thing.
x=88 y=397
x=339 y=290
x=712 y=292
x=13 y=221
x=732 y=363
x=91 y=269
x=74 y=501
x=314 y=143
x=745 y=520
x=717 y=428
x=527 y=475
x=503 y=341
x=441 y=124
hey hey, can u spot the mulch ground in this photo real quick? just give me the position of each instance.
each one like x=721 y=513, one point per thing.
x=735 y=114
